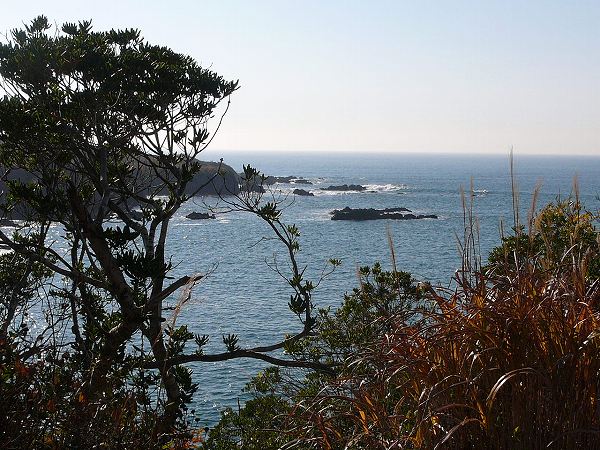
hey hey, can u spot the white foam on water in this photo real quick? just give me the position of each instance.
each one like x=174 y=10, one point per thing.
x=385 y=187
x=319 y=192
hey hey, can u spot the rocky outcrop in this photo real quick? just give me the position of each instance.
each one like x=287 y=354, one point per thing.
x=303 y=193
x=214 y=178
x=345 y=187
x=272 y=180
x=257 y=185
x=251 y=185
x=287 y=180
x=377 y=214
x=200 y=216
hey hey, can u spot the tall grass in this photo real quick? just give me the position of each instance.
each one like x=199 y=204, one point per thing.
x=508 y=359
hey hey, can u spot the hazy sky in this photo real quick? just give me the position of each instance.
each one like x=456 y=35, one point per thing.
x=388 y=76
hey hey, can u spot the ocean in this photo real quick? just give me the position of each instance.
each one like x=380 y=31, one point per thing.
x=242 y=294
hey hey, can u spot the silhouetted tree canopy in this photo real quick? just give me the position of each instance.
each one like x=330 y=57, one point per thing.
x=99 y=136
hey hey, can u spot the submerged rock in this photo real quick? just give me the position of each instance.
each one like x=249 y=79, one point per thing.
x=303 y=193
x=375 y=214
x=200 y=216
x=345 y=187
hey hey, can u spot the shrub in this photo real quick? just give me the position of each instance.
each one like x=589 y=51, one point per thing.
x=508 y=358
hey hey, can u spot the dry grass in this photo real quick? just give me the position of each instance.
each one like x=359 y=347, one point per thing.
x=509 y=359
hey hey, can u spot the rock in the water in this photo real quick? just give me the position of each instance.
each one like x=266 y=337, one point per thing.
x=253 y=185
x=272 y=180
x=345 y=187
x=200 y=216
x=213 y=178
x=301 y=181
x=287 y=180
x=375 y=214
x=303 y=193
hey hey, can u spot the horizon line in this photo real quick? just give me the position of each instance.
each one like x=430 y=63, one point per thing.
x=402 y=152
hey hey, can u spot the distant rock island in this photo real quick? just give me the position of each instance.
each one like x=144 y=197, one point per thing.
x=200 y=216
x=272 y=179
x=375 y=214
x=293 y=179
x=303 y=193
x=345 y=187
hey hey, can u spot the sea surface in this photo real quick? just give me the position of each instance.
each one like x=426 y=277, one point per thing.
x=243 y=294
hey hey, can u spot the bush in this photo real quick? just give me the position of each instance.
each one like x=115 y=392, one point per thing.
x=509 y=358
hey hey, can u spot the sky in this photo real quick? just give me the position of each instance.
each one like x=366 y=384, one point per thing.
x=379 y=76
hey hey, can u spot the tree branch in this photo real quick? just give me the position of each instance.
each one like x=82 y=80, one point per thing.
x=182 y=359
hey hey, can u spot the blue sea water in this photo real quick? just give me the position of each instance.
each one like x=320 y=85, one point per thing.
x=243 y=295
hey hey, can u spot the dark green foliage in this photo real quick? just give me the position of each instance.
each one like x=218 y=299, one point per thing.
x=94 y=125
x=178 y=337
x=231 y=342
x=99 y=136
x=41 y=400
x=256 y=426
x=561 y=233
x=72 y=98
x=362 y=317
x=270 y=211
x=201 y=342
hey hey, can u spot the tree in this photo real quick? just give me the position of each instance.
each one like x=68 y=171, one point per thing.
x=561 y=233
x=274 y=418
x=95 y=126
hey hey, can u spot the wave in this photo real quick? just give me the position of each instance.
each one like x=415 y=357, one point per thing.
x=385 y=187
x=287 y=189
x=299 y=181
x=320 y=193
